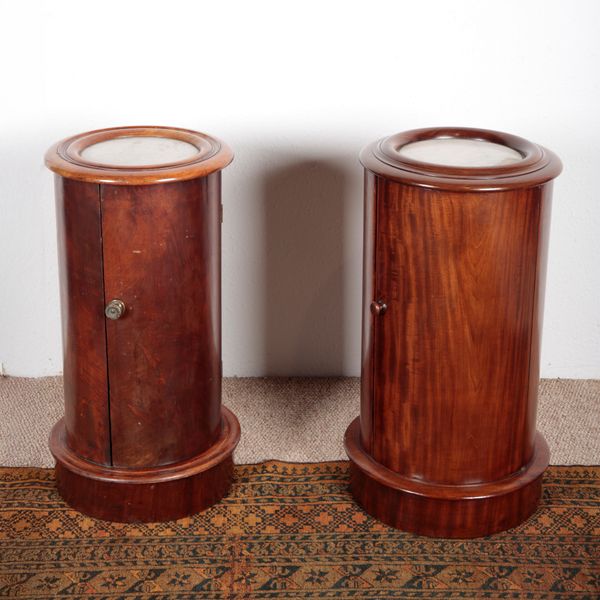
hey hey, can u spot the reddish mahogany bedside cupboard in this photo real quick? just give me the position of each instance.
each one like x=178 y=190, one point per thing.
x=144 y=437
x=455 y=239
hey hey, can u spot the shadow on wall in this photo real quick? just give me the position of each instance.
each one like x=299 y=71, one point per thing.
x=304 y=204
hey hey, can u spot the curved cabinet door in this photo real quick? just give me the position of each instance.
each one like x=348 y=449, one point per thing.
x=451 y=352
x=161 y=248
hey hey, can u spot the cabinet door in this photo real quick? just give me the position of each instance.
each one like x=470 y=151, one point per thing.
x=162 y=259
x=452 y=351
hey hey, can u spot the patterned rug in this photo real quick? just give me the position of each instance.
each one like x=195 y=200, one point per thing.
x=292 y=531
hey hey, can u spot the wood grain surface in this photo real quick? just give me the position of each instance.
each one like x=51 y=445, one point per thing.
x=162 y=259
x=147 y=494
x=453 y=351
x=66 y=157
x=79 y=225
x=454 y=273
x=144 y=435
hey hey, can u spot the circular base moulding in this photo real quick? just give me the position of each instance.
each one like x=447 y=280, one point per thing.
x=152 y=494
x=445 y=511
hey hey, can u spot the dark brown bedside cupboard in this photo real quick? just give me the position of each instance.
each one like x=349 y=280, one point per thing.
x=144 y=436
x=455 y=240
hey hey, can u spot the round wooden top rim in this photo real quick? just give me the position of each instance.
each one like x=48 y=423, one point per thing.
x=65 y=157
x=537 y=166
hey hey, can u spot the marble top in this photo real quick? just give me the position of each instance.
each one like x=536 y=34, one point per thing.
x=135 y=151
x=460 y=152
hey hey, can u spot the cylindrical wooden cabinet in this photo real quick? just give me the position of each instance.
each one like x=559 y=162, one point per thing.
x=455 y=239
x=144 y=437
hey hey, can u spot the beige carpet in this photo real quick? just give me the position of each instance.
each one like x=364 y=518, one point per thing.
x=294 y=419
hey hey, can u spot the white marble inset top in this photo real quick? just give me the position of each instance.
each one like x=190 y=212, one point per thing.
x=135 y=151
x=460 y=152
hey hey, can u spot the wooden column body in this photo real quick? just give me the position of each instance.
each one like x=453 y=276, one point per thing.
x=144 y=437
x=454 y=268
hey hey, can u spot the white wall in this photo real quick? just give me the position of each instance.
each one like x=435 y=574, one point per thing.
x=296 y=88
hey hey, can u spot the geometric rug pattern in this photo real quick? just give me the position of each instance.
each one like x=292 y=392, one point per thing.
x=290 y=530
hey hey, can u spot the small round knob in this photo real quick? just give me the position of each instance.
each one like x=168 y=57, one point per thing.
x=115 y=309
x=378 y=307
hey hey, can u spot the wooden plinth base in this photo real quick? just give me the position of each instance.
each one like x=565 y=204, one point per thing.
x=447 y=511
x=150 y=494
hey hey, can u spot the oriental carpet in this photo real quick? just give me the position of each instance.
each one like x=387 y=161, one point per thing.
x=291 y=530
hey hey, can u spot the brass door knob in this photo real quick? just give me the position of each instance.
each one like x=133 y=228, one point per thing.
x=378 y=307
x=115 y=309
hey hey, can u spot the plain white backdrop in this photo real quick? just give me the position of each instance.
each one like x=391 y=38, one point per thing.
x=296 y=88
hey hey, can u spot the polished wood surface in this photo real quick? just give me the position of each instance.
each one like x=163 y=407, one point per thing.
x=451 y=511
x=65 y=157
x=147 y=494
x=539 y=165
x=144 y=435
x=162 y=259
x=458 y=274
x=79 y=225
x=369 y=295
x=538 y=315
x=452 y=309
